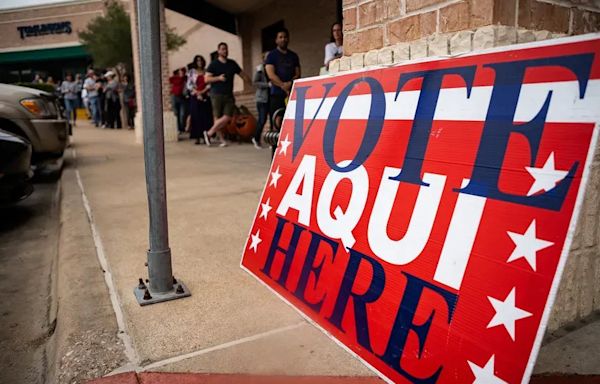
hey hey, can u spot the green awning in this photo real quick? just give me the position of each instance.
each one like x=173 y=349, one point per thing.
x=43 y=54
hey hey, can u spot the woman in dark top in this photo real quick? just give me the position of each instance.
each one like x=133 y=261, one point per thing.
x=200 y=107
x=113 y=102
x=129 y=101
x=100 y=87
x=178 y=100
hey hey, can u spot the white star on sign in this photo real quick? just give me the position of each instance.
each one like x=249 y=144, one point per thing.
x=527 y=245
x=507 y=313
x=265 y=208
x=255 y=241
x=284 y=145
x=274 y=177
x=485 y=374
x=545 y=178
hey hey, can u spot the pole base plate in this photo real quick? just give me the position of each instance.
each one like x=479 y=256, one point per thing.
x=179 y=291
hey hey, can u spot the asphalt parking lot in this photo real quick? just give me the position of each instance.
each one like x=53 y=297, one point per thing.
x=28 y=247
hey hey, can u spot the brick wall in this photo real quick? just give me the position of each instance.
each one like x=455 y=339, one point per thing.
x=579 y=291
x=375 y=24
x=169 y=122
x=381 y=32
x=164 y=59
x=169 y=119
x=136 y=69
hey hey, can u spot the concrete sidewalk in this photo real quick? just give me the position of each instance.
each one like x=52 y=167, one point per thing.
x=231 y=324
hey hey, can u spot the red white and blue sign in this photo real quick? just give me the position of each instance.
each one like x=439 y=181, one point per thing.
x=422 y=214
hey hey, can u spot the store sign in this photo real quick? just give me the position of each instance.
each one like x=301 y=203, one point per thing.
x=422 y=214
x=45 y=29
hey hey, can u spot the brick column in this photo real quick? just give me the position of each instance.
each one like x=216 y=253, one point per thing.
x=169 y=121
x=135 y=47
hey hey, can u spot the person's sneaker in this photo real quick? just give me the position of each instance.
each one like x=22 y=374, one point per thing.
x=256 y=144
x=223 y=144
x=206 y=138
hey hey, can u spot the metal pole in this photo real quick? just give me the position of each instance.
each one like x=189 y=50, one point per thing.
x=162 y=283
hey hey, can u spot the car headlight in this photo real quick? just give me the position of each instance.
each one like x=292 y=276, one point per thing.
x=37 y=106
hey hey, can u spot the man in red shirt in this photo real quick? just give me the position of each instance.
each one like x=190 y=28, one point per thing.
x=178 y=98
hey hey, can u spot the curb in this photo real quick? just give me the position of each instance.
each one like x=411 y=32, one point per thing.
x=218 y=378
x=51 y=345
x=85 y=343
x=204 y=378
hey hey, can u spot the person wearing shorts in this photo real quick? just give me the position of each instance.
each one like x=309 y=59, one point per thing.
x=219 y=75
x=223 y=105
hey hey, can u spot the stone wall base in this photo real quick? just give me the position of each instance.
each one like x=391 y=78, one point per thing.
x=441 y=45
x=169 y=126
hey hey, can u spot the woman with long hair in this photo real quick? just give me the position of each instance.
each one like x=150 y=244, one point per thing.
x=335 y=48
x=200 y=107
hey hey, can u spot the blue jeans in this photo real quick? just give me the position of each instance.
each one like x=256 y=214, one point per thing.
x=263 y=111
x=178 y=103
x=70 y=108
x=94 y=103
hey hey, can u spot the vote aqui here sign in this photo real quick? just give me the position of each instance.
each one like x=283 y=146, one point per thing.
x=422 y=214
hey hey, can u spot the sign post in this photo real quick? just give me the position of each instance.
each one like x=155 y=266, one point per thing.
x=162 y=285
x=422 y=214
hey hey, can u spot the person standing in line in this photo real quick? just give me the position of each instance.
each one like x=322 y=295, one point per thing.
x=283 y=67
x=50 y=81
x=92 y=96
x=177 y=82
x=37 y=79
x=190 y=85
x=335 y=48
x=69 y=90
x=79 y=104
x=261 y=83
x=186 y=101
x=200 y=111
x=101 y=88
x=55 y=87
x=113 y=103
x=128 y=100
x=219 y=75
x=85 y=103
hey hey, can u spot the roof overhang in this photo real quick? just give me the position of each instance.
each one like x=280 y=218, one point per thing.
x=55 y=53
x=238 y=6
x=218 y=13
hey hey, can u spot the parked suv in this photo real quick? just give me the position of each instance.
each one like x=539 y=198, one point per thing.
x=36 y=116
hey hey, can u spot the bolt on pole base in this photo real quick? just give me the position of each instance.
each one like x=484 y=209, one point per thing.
x=145 y=297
